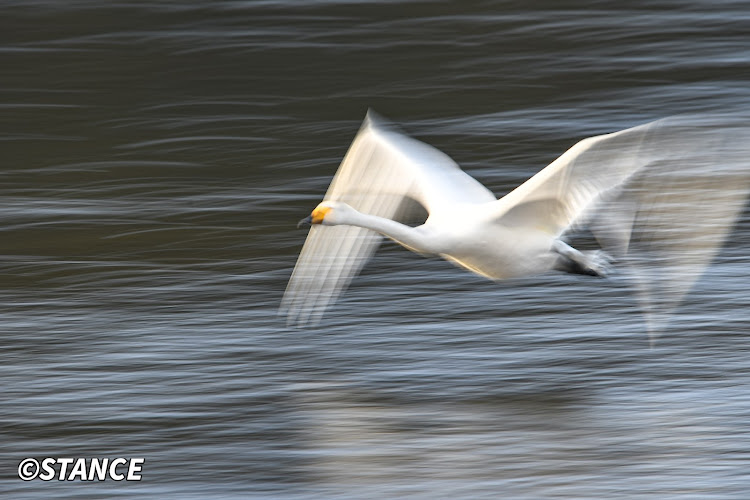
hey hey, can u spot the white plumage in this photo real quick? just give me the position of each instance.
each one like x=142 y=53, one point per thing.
x=659 y=198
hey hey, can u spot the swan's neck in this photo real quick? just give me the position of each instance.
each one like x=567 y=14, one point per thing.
x=412 y=238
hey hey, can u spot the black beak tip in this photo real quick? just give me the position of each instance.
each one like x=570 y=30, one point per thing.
x=306 y=222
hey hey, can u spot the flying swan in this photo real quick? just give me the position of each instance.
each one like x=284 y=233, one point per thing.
x=659 y=198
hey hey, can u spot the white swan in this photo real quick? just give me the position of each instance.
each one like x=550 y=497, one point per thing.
x=659 y=197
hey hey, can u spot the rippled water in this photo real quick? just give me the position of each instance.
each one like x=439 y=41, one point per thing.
x=155 y=160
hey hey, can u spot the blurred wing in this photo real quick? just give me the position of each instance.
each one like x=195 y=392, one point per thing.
x=671 y=219
x=662 y=197
x=384 y=173
x=561 y=193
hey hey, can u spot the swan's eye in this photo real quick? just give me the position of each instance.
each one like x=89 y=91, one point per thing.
x=319 y=214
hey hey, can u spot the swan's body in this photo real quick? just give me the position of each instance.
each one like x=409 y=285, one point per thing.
x=466 y=235
x=656 y=183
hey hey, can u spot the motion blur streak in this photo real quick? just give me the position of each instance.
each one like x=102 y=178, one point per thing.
x=156 y=157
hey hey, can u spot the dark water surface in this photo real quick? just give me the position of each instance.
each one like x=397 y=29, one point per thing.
x=155 y=157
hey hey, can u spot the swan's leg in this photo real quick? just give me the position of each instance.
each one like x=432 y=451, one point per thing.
x=595 y=263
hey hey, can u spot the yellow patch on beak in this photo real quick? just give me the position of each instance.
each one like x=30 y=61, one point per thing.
x=319 y=214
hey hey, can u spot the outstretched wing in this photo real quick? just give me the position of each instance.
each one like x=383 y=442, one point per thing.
x=384 y=173
x=662 y=197
x=560 y=194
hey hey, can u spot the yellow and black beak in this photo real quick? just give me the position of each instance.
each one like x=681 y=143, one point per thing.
x=316 y=217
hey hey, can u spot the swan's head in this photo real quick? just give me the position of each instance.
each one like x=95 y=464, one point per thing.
x=328 y=213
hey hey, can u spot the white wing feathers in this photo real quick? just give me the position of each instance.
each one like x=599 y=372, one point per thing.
x=662 y=197
x=568 y=186
x=384 y=173
x=383 y=162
